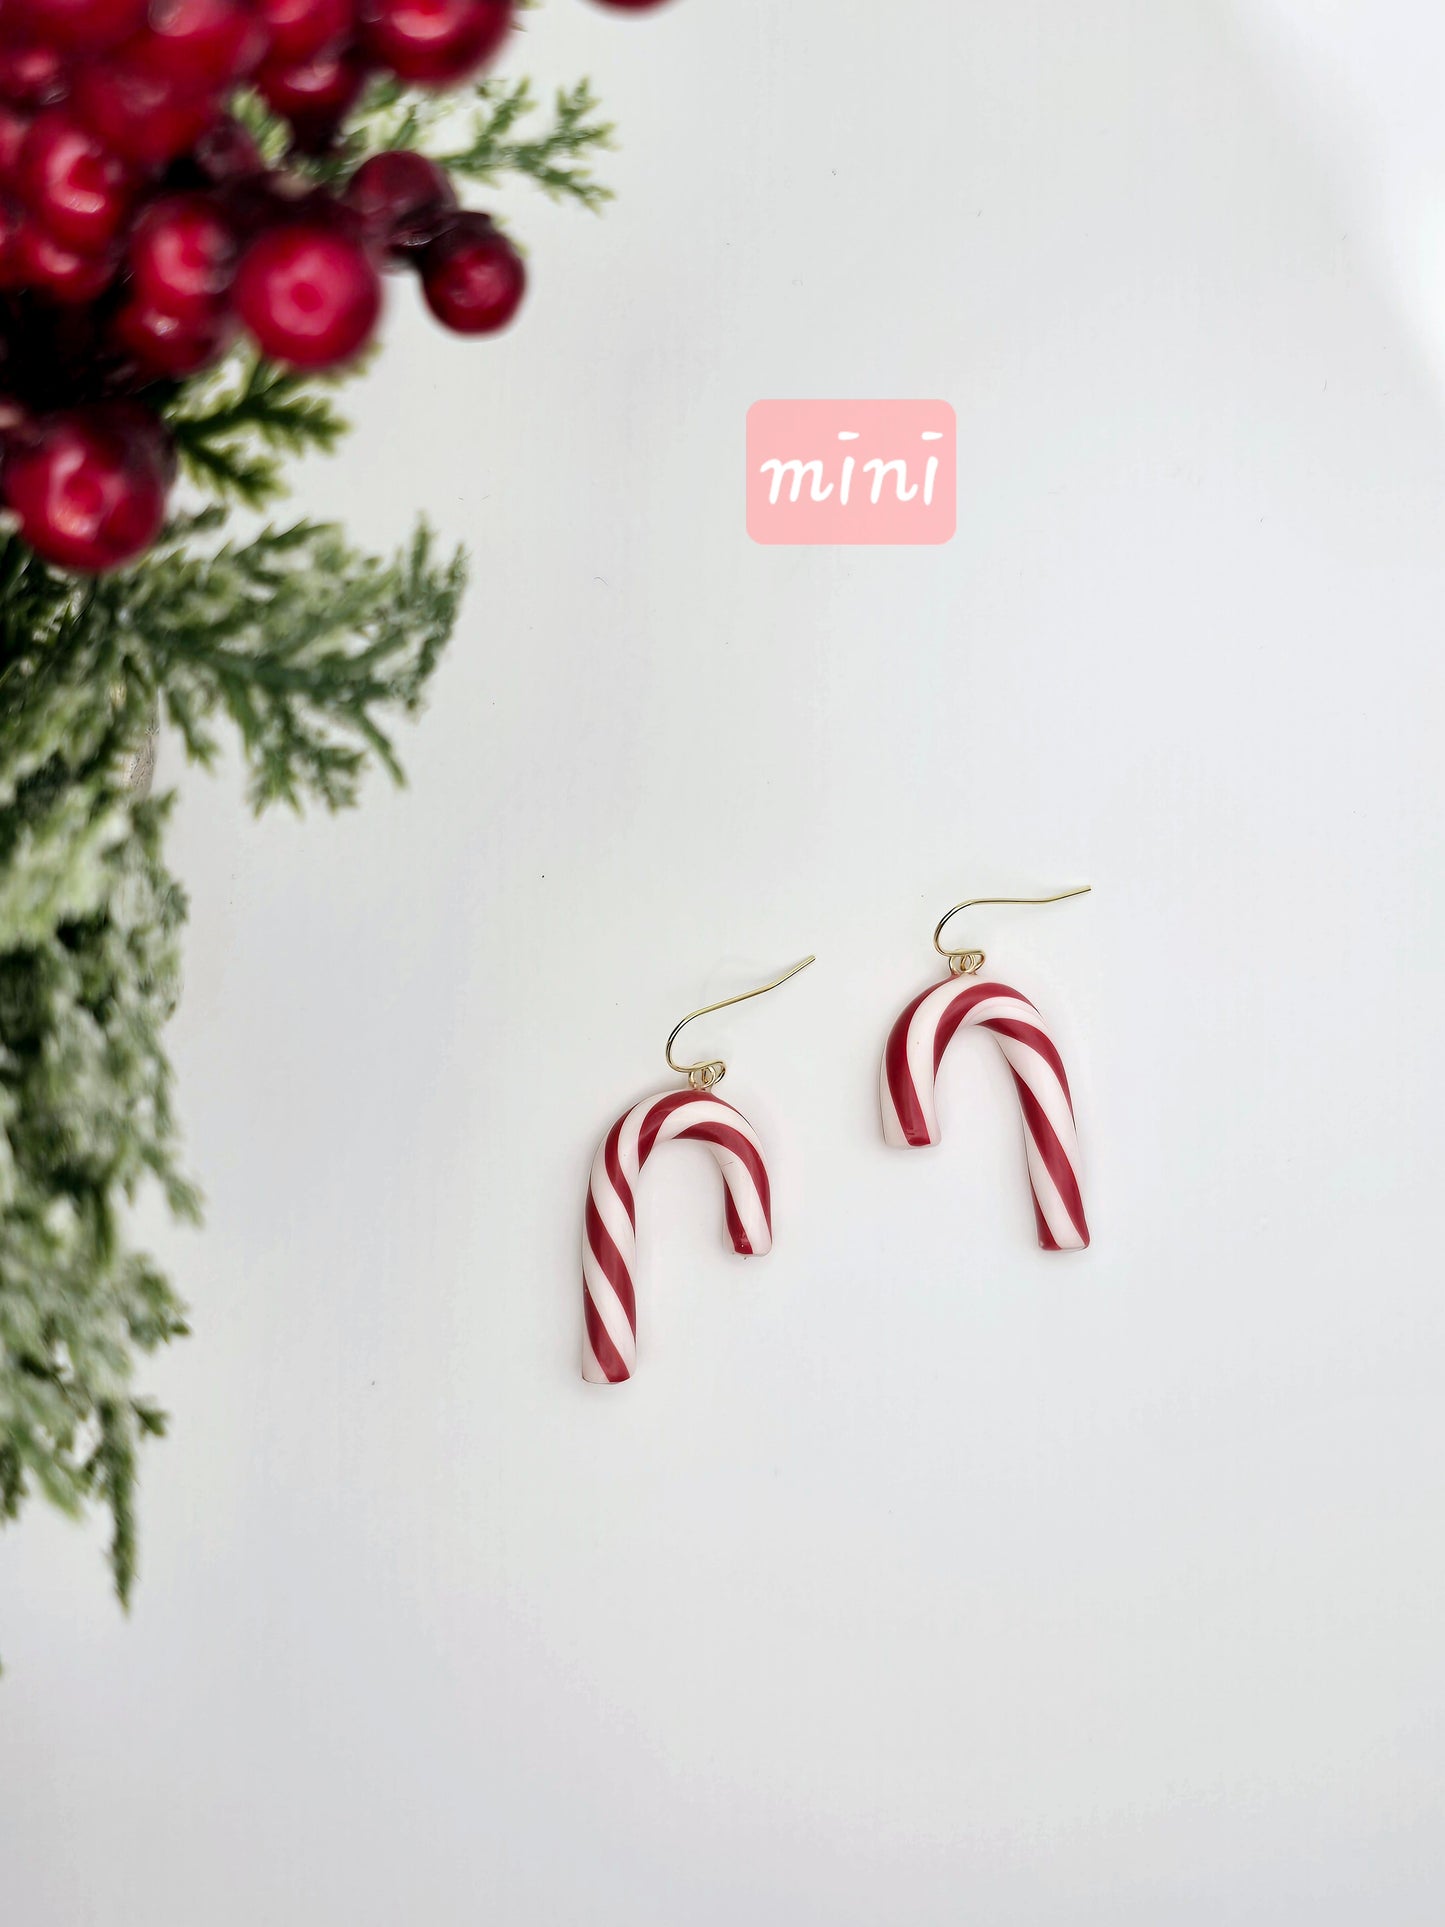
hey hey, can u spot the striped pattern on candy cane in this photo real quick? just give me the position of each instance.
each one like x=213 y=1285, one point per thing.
x=911 y=1059
x=609 y=1236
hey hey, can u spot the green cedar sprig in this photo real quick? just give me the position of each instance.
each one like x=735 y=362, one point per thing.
x=306 y=646
x=300 y=642
x=85 y=1117
x=559 y=159
x=233 y=426
x=479 y=136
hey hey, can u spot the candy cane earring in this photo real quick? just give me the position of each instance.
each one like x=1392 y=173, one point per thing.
x=915 y=1050
x=609 y=1236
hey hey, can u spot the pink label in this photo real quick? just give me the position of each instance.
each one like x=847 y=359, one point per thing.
x=852 y=471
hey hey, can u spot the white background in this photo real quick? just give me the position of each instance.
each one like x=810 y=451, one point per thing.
x=919 y=1577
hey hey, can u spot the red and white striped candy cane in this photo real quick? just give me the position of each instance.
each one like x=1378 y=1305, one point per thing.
x=609 y=1237
x=911 y=1059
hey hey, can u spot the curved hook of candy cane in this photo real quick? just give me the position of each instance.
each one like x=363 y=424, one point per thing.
x=609 y=1235
x=909 y=1073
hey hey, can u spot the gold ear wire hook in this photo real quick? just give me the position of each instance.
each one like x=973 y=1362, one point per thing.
x=968 y=963
x=702 y=1077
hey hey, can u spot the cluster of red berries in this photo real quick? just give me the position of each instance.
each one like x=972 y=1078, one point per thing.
x=140 y=229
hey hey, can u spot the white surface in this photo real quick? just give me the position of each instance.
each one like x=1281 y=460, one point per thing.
x=919 y=1577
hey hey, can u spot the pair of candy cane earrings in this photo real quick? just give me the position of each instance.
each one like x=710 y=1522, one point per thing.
x=911 y=1059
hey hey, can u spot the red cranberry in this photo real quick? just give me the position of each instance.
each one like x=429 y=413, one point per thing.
x=85 y=24
x=72 y=182
x=472 y=277
x=172 y=345
x=32 y=75
x=226 y=152
x=403 y=200
x=52 y=268
x=208 y=43
x=434 y=42
x=88 y=486
x=308 y=295
x=148 y=435
x=139 y=107
x=297 y=29
x=254 y=204
x=314 y=95
x=14 y=126
x=182 y=256
x=12 y=265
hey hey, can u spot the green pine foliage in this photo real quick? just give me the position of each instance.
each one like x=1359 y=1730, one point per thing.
x=306 y=648
x=481 y=138
x=559 y=159
x=85 y=1118
x=234 y=428
x=304 y=651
